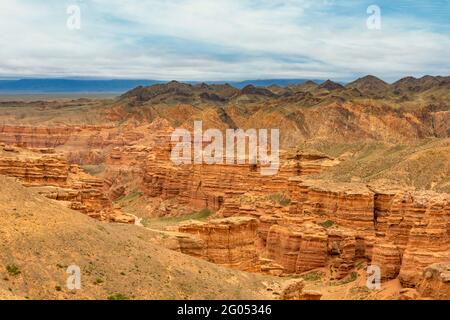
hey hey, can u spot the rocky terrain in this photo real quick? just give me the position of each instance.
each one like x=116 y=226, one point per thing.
x=40 y=239
x=50 y=175
x=363 y=180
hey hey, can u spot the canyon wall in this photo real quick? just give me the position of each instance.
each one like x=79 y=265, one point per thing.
x=49 y=174
x=303 y=224
x=228 y=242
x=336 y=225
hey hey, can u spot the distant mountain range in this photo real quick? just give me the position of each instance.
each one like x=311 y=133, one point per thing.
x=428 y=89
x=116 y=86
x=368 y=85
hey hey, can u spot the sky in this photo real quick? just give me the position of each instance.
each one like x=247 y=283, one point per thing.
x=224 y=39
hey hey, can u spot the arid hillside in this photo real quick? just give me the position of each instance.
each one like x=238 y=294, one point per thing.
x=40 y=238
x=424 y=164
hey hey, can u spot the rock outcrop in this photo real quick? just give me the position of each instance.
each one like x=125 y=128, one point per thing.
x=50 y=175
x=428 y=241
x=297 y=249
x=229 y=242
x=294 y=290
x=335 y=225
x=416 y=235
x=34 y=167
x=435 y=282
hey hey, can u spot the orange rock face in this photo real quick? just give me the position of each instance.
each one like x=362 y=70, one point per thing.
x=428 y=242
x=303 y=224
x=346 y=204
x=216 y=186
x=336 y=224
x=34 y=167
x=36 y=137
x=229 y=242
x=416 y=235
x=50 y=175
x=297 y=249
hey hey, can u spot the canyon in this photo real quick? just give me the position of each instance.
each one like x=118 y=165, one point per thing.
x=360 y=183
x=48 y=173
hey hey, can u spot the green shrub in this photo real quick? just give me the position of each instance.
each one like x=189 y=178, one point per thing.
x=312 y=276
x=93 y=169
x=132 y=196
x=327 y=224
x=118 y=296
x=169 y=221
x=352 y=277
x=13 y=270
x=280 y=199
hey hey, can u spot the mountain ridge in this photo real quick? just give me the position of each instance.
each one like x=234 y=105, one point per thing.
x=309 y=93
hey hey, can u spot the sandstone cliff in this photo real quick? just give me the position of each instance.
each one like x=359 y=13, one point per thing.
x=50 y=175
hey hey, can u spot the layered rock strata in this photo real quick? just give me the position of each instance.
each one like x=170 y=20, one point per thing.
x=229 y=242
x=50 y=175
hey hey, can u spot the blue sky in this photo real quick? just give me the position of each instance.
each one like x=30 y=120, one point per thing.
x=224 y=39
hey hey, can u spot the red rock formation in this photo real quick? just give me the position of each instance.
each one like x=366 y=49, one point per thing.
x=346 y=204
x=428 y=241
x=80 y=144
x=297 y=249
x=51 y=176
x=298 y=224
x=342 y=247
x=217 y=186
x=34 y=168
x=229 y=242
x=416 y=235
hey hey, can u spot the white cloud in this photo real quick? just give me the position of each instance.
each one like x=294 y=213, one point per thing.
x=206 y=40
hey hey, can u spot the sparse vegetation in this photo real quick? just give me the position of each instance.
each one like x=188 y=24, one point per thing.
x=130 y=197
x=118 y=296
x=280 y=199
x=161 y=223
x=93 y=169
x=312 y=276
x=422 y=164
x=327 y=224
x=13 y=270
x=350 y=278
